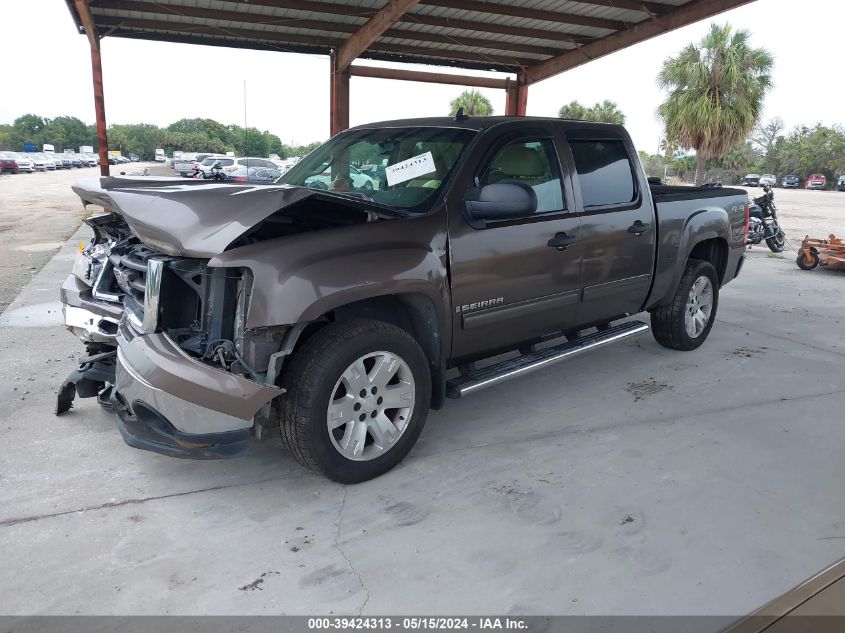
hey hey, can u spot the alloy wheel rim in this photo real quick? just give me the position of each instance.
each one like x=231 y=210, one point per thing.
x=699 y=306
x=370 y=406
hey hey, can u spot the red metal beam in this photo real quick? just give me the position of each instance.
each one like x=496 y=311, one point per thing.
x=516 y=96
x=338 y=97
x=84 y=12
x=687 y=14
x=425 y=77
x=371 y=31
x=558 y=17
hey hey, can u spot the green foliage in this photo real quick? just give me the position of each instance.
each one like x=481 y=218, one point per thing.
x=35 y=130
x=716 y=91
x=473 y=102
x=189 y=135
x=818 y=149
x=574 y=110
x=604 y=112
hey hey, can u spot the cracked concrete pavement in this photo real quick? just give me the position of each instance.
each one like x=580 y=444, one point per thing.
x=636 y=480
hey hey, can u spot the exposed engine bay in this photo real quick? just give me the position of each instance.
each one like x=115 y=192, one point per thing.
x=199 y=307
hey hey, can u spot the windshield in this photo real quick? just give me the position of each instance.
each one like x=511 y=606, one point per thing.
x=403 y=168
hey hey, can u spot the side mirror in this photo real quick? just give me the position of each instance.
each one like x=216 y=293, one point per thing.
x=503 y=201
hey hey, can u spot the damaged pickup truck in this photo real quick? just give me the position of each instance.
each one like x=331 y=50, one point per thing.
x=339 y=309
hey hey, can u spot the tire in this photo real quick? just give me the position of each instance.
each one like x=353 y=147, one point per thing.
x=669 y=323
x=319 y=371
x=777 y=243
x=803 y=265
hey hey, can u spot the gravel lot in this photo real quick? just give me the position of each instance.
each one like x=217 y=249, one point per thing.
x=636 y=480
x=38 y=213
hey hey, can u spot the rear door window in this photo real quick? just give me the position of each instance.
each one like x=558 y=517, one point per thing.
x=605 y=172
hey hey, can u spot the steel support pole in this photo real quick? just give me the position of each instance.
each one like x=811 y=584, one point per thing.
x=100 y=109
x=339 y=97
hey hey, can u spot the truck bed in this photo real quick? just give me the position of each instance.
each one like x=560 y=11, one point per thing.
x=668 y=193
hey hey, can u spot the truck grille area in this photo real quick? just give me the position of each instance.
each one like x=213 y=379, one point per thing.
x=202 y=309
x=129 y=274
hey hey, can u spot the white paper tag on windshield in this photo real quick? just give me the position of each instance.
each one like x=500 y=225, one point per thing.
x=409 y=169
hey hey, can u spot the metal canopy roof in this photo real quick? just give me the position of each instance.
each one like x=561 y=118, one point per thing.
x=535 y=38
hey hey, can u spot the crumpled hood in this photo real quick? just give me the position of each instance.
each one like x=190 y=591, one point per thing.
x=190 y=218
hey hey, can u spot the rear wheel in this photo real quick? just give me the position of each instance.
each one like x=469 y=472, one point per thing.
x=685 y=323
x=358 y=395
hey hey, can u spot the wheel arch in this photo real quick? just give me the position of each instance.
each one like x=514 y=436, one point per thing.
x=713 y=250
x=413 y=312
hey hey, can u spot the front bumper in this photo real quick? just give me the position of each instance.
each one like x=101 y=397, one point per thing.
x=90 y=319
x=168 y=402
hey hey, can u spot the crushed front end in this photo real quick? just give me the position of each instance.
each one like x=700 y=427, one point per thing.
x=166 y=346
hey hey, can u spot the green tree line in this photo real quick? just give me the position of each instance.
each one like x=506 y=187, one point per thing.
x=189 y=135
x=807 y=149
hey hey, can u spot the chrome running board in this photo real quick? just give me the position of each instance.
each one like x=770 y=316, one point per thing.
x=515 y=367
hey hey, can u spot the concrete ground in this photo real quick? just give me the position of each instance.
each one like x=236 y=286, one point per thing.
x=636 y=480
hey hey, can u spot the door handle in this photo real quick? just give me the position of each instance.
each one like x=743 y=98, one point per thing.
x=638 y=227
x=561 y=240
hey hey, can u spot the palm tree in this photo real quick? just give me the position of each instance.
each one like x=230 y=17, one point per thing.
x=473 y=102
x=574 y=110
x=716 y=92
x=604 y=112
x=607 y=112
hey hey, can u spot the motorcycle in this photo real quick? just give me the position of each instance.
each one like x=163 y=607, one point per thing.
x=215 y=172
x=763 y=222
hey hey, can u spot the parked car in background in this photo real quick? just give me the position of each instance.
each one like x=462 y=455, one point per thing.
x=49 y=162
x=751 y=180
x=160 y=156
x=264 y=175
x=92 y=159
x=76 y=160
x=790 y=182
x=23 y=162
x=37 y=162
x=189 y=163
x=768 y=179
x=8 y=164
x=360 y=180
x=816 y=181
x=240 y=167
x=840 y=184
x=134 y=158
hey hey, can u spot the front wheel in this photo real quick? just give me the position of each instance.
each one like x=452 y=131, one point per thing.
x=685 y=323
x=358 y=394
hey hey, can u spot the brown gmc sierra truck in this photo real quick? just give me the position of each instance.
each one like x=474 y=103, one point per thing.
x=344 y=301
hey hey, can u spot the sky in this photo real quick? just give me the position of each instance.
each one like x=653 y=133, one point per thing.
x=47 y=71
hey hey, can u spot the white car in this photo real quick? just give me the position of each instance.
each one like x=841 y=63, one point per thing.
x=239 y=167
x=360 y=180
x=768 y=179
x=42 y=162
